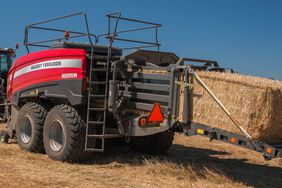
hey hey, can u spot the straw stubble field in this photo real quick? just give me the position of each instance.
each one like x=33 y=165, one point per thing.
x=191 y=162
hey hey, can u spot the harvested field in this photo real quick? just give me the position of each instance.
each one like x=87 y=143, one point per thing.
x=191 y=162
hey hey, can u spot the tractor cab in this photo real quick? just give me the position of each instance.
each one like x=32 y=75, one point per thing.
x=6 y=59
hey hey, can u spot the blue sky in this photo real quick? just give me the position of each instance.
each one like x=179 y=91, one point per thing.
x=245 y=35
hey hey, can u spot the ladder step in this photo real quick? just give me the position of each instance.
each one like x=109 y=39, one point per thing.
x=97 y=109
x=98 y=96
x=101 y=63
x=96 y=122
x=94 y=149
x=104 y=136
x=99 y=70
x=98 y=82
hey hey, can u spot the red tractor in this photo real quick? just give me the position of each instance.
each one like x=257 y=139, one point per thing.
x=68 y=99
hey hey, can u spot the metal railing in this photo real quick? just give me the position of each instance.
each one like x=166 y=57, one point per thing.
x=149 y=26
x=75 y=34
x=42 y=43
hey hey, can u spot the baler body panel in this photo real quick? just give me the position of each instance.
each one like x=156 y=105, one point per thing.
x=56 y=66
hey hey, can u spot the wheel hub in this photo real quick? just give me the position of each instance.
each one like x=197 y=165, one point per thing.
x=56 y=135
x=26 y=129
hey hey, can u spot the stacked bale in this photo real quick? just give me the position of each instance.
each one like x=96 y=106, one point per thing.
x=255 y=102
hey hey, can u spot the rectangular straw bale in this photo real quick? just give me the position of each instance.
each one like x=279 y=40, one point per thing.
x=255 y=102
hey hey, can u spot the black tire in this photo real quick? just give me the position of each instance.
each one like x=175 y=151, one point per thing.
x=117 y=142
x=29 y=127
x=4 y=137
x=153 y=144
x=64 y=134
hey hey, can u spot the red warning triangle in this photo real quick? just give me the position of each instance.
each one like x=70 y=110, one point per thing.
x=156 y=115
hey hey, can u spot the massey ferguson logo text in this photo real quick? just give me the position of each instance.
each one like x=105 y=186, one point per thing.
x=51 y=64
x=46 y=65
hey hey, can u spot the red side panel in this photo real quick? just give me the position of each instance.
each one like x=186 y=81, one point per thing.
x=45 y=66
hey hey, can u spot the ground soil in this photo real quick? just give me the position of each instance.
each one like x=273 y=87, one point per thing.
x=191 y=162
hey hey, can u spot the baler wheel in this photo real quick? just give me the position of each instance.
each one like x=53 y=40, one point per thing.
x=29 y=127
x=64 y=134
x=154 y=144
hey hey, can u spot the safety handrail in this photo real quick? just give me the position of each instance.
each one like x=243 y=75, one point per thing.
x=150 y=26
x=42 y=43
x=108 y=35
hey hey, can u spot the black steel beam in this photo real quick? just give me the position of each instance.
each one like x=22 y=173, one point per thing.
x=214 y=63
x=146 y=106
x=267 y=150
x=150 y=97
x=151 y=76
x=149 y=86
x=175 y=101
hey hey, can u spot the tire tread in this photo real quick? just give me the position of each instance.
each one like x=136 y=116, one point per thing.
x=75 y=151
x=39 y=114
x=155 y=144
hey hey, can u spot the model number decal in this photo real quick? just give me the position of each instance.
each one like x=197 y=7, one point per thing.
x=69 y=75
